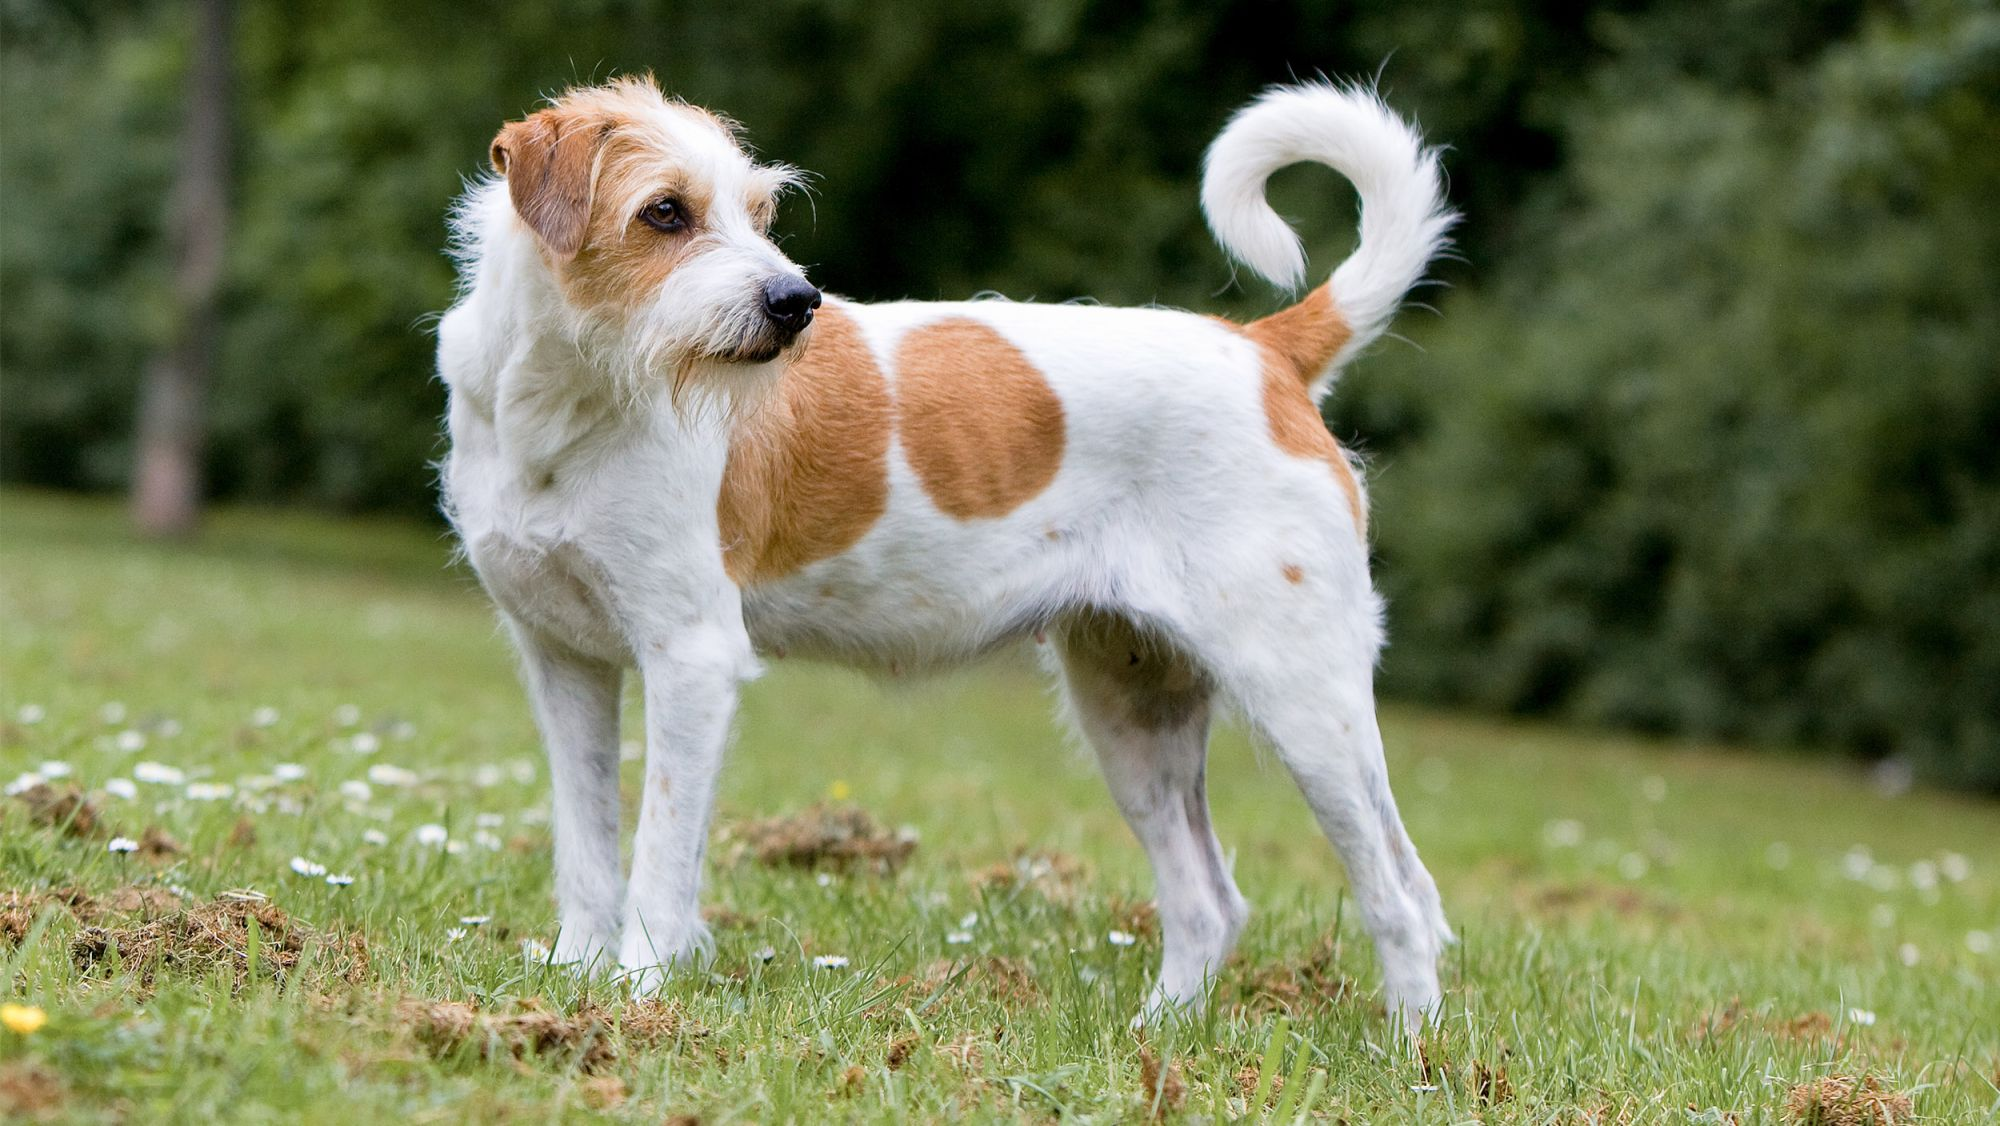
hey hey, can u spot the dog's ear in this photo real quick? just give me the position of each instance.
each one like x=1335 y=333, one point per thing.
x=550 y=162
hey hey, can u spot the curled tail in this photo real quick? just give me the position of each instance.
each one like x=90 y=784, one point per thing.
x=1404 y=221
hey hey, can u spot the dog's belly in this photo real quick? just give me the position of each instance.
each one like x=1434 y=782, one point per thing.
x=875 y=610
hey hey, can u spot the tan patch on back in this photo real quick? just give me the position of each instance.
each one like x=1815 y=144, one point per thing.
x=1297 y=344
x=1298 y=429
x=1305 y=336
x=808 y=474
x=1294 y=574
x=980 y=425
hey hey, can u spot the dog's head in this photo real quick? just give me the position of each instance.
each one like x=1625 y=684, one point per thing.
x=653 y=219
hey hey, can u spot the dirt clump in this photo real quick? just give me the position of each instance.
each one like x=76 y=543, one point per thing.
x=31 y=1092
x=65 y=810
x=193 y=940
x=1290 y=987
x=649 y=1023
x=1163 y=1088
x=446 y=1027
x=1058 y=877
x=1844 y=1100
x=157 y=844
x=821 y=837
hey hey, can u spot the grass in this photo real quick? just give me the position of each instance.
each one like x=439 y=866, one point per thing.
x=1650 y=932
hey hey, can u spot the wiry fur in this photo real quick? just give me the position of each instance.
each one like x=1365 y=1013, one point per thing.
x=1189 y=549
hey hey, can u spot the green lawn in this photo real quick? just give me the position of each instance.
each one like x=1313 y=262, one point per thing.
x=1651 y=932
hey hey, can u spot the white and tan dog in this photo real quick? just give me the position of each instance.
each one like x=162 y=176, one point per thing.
x=663 y=458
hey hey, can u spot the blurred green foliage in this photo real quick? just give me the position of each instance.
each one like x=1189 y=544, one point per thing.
x=1704 y=440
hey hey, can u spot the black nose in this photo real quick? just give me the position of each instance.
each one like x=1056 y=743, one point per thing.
x=789 y=301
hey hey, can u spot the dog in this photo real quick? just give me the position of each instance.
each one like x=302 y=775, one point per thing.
x=670 y=452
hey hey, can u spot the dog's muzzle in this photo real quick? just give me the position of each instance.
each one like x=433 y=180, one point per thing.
x=789 y=301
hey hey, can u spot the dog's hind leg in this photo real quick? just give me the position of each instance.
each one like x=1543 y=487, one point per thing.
x=1300 y=664
x=576 y=707
x=1145 y=710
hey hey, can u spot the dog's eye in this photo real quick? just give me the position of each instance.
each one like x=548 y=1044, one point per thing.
x=666 y=215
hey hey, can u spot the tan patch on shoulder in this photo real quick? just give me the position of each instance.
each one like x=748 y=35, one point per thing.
x=1298 y=429
x=981 y=426
x=808 y=474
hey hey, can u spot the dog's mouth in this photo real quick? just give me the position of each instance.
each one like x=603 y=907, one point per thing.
x=762 y=349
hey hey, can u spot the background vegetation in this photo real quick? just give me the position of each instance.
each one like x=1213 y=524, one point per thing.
x=1702 y=441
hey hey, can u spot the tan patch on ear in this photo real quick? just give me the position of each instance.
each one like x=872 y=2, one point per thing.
x=1298 y=429
x=808 y=474
x=980 y=425
x=550 y=161
x=1305 y=336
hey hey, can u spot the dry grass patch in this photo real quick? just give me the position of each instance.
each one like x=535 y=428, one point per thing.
x=818 y=838
x=1845 y=1100
x=248 y=934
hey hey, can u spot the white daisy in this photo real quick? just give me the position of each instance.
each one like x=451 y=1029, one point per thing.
x=340 y=880
x=475 y=920
x=970 y=921
x=1564 y=833
x=957 y=938
x=55 y=769
x=23 y=782
x=431 y=835
x=131 y=740
x=374 y=836
x=288 y=772
x=121 y=788
x=209 y=791
x=535 y=950
x=158 y=773
x=122 y=844
x=385 y=774
x=31 y=714
x=1121 y=938
x=308 y=868
x=354 y=789
x=365 y=743
x=830 y=962
x=454 y=934
x=1862 y=1017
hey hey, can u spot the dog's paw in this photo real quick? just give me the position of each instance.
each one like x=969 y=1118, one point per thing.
x=585 y=953
x=649 y=953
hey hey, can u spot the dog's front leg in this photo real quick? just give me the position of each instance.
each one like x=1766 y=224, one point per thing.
x=690 y=688
x=576 y=706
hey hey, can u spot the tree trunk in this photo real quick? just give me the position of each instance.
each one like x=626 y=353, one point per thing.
x=166 y=473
